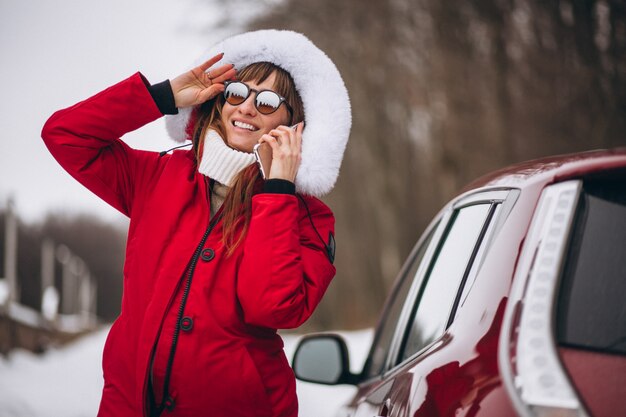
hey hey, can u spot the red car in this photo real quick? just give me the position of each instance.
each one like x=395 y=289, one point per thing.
x=512 y=303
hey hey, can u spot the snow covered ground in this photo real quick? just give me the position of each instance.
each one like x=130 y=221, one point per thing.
x=67 y=381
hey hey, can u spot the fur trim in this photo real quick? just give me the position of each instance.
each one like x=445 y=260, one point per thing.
x=323 y=92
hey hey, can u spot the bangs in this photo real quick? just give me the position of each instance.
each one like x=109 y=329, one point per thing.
x=261 y=71
x=283 y=84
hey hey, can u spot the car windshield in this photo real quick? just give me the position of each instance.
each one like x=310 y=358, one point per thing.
x=592 y=300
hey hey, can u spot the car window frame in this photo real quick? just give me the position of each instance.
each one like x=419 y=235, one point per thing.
x=503 y=210
x=424 y=280
x=502 y=201
x=436 y=230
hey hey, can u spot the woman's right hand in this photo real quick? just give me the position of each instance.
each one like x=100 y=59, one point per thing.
x=197 y=85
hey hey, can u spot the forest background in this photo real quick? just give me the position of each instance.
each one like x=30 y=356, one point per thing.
x=442 y=93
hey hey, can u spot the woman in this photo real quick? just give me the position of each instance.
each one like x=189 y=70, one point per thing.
x=217 y=257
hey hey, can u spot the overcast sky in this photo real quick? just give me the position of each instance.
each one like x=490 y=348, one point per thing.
x=56 y=53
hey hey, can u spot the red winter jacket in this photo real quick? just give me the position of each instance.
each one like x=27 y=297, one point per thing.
x=229 y=360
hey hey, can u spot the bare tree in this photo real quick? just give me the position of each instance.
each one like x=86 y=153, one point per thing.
x=443 y=92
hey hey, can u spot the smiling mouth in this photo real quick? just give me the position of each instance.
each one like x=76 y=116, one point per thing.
x=245 y=126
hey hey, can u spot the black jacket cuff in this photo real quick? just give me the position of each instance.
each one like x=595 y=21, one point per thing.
x=279 y=186
x=163 y=97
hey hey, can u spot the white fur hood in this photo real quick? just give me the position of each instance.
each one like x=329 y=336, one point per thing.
x=323 y=92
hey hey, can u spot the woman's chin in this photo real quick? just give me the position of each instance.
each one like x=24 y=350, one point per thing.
x=242 y=146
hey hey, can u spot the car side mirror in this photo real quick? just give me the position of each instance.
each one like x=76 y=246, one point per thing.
x=323 y=359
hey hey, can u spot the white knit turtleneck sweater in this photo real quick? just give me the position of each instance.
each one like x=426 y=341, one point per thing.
x=221 y=163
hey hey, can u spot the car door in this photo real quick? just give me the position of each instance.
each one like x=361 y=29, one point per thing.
x=432 y=285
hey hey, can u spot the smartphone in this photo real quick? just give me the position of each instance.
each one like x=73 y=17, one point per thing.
x=263 y=154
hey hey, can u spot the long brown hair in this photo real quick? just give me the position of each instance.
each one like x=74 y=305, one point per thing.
x=237 y=206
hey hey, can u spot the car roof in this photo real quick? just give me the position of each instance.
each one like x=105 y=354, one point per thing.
x=552 y=169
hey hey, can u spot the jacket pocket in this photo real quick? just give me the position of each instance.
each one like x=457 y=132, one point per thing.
x=255 y=388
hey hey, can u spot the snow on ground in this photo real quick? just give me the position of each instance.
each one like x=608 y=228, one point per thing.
x=62 y=382
x=67 y=381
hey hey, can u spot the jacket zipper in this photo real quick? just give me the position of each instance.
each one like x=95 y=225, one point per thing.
x=166 y=400
x=148 y=389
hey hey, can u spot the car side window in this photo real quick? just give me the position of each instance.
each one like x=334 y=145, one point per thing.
x=438 y=293
x=591 y=313
x=380 y=348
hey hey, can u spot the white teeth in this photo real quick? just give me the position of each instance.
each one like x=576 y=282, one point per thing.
x=244 y=125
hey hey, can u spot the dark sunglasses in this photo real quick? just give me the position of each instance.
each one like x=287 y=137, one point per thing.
x=266 y=101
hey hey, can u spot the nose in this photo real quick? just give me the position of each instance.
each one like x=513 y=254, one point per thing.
x=247 y=107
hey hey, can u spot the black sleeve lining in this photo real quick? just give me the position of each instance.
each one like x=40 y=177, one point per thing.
x=279 y=186
x=163 y=97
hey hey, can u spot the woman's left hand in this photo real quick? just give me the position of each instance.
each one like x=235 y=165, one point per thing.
x=286 y=144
